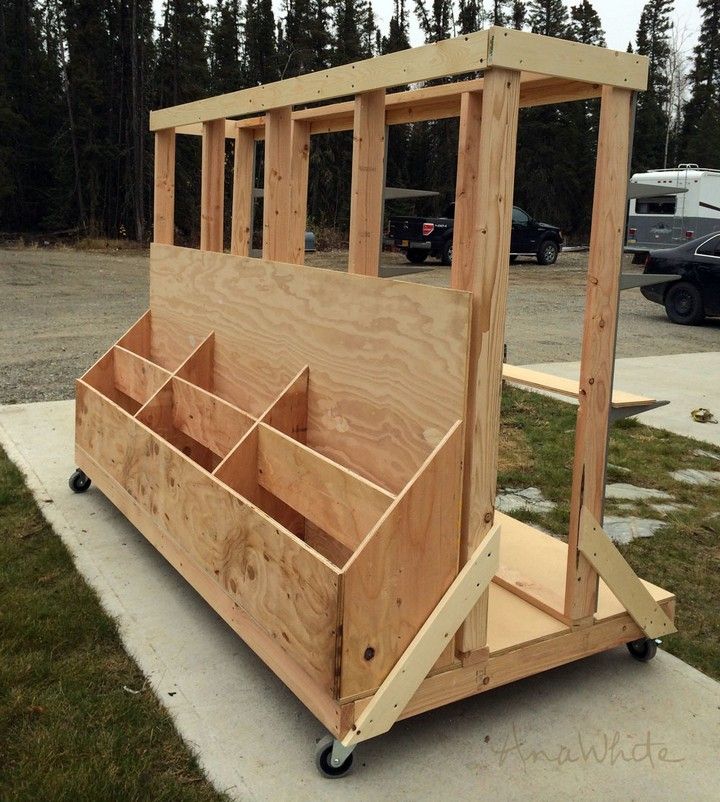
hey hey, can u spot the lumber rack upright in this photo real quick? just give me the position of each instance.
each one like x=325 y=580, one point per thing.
x=316 y=452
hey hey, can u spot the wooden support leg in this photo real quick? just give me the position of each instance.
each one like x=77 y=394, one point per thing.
x=243 y=183
x=276 y=204
x=213 y=186
x=368 y=180
x=405 y=678
x=598 y=348
x=601 y=553
x=164 y=199
x=300 y=166
x=487 y=260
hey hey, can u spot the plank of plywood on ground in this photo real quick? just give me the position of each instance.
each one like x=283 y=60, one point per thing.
x=268 y=648
x=401 y=570
x=249 y=555
x=378 y=409
x=514 y=622
x=339 y=501
x=568 y=387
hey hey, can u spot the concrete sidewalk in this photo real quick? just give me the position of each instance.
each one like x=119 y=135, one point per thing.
x=606 y=728
x=688 y=381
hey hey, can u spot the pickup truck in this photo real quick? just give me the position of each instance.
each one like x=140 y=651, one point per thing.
x=421 y=237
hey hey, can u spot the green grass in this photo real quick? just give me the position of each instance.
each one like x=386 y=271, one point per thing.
x=68 y=729
x=536 y=449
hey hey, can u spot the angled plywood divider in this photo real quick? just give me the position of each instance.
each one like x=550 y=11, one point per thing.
x=316 y=451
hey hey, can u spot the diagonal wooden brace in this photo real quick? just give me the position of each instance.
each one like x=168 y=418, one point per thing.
x=405 y=678
x=603 y=555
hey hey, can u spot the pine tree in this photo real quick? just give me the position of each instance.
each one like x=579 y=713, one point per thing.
x=470 y=16
x=226 y=74
x=651 y=120
x=701 y=127
x=585 y=25
x=436 y=22
x=547 y=17
x=261 y=61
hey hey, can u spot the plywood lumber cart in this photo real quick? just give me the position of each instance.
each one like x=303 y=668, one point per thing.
x=316 y=451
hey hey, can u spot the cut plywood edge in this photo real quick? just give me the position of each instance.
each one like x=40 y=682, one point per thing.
x=407 y=675
x=538 y=380
x=533 y=565
x=609 y=563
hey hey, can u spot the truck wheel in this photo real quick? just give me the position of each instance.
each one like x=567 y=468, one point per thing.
x=547 y=252
x=683 y=304
x=446 y=257
x=416 y=257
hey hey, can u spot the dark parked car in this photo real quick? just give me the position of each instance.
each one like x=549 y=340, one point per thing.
x=696 y=294
x=421 y=237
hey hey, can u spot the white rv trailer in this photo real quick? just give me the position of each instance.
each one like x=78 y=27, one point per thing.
x=687 y=205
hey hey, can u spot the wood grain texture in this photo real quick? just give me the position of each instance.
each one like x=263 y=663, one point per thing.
x=249 y=555
x=277 y=222
x=271 y=650
x=605 y=558
x=487 y=277
x=407 y=674
x=299 y=173
x=368 y=184
x=242 y=198
x=212 y=194
x=198 y=368
x=340 y=502
x=414 y=546
x=164 y=188
x=597 y=358
x=378 y=408
x=288 y=413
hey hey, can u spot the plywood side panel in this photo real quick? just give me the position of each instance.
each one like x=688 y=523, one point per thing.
x=401 y=571
x=249 y=556
x=136 y=376
x=387 y=359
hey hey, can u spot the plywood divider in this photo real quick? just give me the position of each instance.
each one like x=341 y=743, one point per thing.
x=212 y=195
x=164 y=190
x=368 y=184
x=138 y=338
x=340 y=502
x=242 y=198
x=598 y=345
x=415 y=545
x=136 y=376
x=488 y=279
x=198 y=368
x=278 y=180
x=288 y=413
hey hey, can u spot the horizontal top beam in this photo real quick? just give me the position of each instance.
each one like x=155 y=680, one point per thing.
x=494 y=47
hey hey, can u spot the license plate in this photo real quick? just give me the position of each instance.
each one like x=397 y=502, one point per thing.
x=405 y=243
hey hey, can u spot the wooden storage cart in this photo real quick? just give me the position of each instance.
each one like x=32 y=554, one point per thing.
x=316 y=452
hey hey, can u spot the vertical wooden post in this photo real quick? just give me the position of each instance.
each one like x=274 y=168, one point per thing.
x=598 y=346
x=212 y=186
x=278 y=166
x=368 y=183
x=466 y=185
x=300 y=166
x=489 y=247
x=164 y=193
x=243 y=184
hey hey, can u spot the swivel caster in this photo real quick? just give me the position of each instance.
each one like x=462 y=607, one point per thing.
x=644 y=649
x=333 y=766
x=79 y=482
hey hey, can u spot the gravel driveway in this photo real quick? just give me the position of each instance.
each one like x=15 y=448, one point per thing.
x=61 y=309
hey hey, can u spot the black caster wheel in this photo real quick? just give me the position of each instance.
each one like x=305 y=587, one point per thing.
x=79 y=482
x=644 y=649
x=323 y=760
